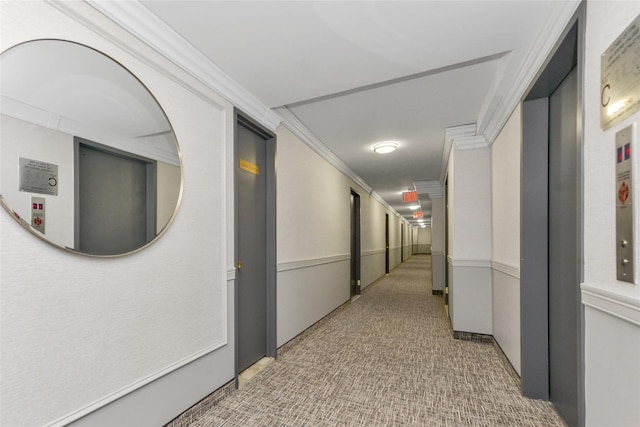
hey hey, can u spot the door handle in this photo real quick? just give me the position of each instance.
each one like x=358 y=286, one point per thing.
x=239 y=264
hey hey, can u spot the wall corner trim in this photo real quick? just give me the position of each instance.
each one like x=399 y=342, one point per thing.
x=607 y=299
x=469 y=262
x=142 y=23
x=508 y=269
x=312 y=262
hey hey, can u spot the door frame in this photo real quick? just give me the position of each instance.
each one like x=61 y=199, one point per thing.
x=386 y=239
x=534 y=243
x=355 y=245
x=271 y=235
x=402 y=242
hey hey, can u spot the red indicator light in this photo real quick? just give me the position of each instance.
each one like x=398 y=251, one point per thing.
x=627 y=151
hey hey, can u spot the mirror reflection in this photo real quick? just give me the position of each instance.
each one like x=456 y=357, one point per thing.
x=89 y=161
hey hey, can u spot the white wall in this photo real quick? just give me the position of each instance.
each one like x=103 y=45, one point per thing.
x=470 y=289
x=314 y=237
x=437 y=244
x=423 y=240
x=612 y=308
x=80 y=332
x=505 y=260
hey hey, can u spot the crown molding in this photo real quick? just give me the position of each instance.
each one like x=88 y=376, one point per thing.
x=451 y=134
x=142 y=23
x=505 y=101
x=432 y=188
x=471 y=142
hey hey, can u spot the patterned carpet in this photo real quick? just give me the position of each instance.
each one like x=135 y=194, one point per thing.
x=388 y=359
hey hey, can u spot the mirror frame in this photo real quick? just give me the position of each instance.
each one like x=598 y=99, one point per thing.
x=27 y=226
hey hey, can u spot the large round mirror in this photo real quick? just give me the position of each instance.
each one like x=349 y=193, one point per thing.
x=89 y=161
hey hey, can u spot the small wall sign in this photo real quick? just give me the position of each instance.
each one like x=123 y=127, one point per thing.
x=620 y=77
x=38 y=177
x=249 y=167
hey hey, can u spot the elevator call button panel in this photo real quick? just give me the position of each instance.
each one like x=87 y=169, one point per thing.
x=624 y=203
x=37 y=213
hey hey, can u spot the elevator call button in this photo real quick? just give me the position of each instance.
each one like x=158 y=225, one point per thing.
x=624 y=204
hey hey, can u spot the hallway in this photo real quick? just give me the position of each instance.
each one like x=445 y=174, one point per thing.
x=387 y=359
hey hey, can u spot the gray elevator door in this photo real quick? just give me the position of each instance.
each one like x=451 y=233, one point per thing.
x=112 y=202
x=251 y=190
x=563 y=250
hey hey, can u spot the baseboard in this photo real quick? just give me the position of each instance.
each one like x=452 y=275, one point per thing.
x=188 y=417
x=489 y=339
x=472 y=336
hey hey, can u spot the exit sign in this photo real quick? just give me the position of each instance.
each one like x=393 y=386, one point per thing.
x=410 y=196
x=417 y=215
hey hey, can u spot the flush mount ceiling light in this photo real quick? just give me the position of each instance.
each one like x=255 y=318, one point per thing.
x=385 y=147
x=413 y=208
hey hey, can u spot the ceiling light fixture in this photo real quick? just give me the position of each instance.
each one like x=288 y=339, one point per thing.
x=413 y=208
x=385 y=147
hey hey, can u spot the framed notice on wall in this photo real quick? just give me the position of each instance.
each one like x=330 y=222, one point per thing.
x=620 y=77
x=38 y=177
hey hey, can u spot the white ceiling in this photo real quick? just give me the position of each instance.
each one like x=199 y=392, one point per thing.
x=353 y=73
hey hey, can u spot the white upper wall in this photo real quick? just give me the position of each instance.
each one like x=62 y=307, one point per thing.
x=437 y=224
x=606 y=21
x=314 y=207
x=313 y=203
x=471 y=207
x=505 y=192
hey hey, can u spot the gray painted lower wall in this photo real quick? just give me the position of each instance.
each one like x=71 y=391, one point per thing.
x=470 y=302
x=162 y=400
x=506 y=315
x=307 y=294
x=423 y=249
x=438 y=264
x=372 y=267
x=394 y=257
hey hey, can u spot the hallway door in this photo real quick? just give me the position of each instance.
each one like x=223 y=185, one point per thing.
x=355 y=244
x=386 y=244
x=252 y=234
x=564 y=283
x=401 y=242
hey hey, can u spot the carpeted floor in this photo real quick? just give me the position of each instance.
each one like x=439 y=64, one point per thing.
x=388 y=359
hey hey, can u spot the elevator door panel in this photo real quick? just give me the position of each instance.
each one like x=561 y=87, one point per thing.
x=251 y=189
x=563 y=250
x=112 y=193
